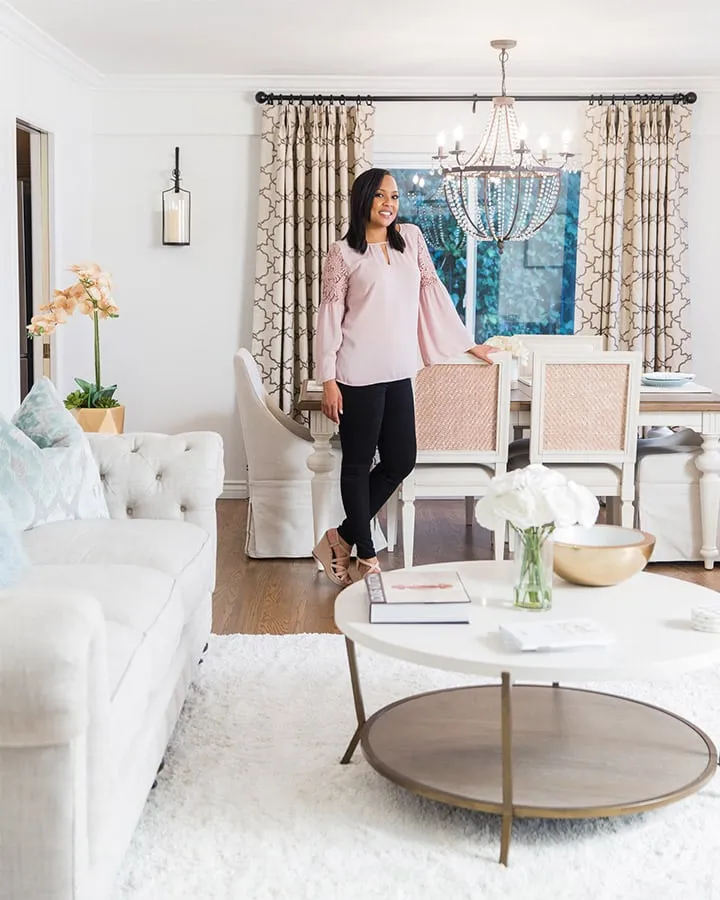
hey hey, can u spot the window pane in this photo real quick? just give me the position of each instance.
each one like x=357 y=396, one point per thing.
x=530 y=287
x=425 y=206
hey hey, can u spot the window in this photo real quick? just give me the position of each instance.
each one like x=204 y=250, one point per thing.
x=528 y=288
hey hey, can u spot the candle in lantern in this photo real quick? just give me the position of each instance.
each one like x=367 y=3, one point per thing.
x=173 y=228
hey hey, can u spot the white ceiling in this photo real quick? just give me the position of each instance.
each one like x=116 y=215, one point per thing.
x=593 y=38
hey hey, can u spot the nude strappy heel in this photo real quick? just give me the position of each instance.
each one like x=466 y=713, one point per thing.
x=332 y=555
x=364 y=567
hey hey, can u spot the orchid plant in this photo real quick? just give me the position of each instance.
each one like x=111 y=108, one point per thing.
x=534 y=501
x=91 y=296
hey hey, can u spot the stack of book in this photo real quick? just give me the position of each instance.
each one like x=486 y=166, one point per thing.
x=410 y=596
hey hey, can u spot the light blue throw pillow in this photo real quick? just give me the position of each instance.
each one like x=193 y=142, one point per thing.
x=12 y=555
x=47 y=469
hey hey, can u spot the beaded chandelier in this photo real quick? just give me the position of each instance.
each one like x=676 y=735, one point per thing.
x=501 y=191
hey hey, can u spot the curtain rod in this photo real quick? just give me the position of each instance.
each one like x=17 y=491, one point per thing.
x=264 y=98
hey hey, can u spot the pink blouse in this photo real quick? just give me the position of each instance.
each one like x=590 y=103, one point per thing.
x=381 y=321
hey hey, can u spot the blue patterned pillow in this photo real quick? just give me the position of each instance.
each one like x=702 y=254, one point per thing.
x=47 y=469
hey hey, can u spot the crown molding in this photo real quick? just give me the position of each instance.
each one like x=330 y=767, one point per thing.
x=25 y=34
x=354 y=85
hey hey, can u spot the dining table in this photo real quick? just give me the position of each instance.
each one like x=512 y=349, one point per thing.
x=671 y=407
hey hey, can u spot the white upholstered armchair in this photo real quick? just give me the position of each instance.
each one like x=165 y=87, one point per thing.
x=280 y=521
x=667 y=484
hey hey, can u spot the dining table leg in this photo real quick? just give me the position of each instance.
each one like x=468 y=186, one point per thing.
x=321 y=463
x=708 y=462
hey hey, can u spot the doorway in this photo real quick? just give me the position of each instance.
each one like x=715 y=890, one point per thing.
x=33 y=216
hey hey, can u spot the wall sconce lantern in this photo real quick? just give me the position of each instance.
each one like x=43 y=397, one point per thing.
x=176 y=210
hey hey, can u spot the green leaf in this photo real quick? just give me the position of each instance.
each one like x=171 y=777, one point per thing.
x=76 y=400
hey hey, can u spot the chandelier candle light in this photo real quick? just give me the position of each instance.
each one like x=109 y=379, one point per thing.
x=534 y=501
x=501 y=191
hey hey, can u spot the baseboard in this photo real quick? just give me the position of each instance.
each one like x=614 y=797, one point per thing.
x=234 y=490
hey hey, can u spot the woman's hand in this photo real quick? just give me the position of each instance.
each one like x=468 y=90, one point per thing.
x=483 y=352
x=332 y=401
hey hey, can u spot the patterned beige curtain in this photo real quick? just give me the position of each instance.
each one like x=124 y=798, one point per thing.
x=309 y=158
x=632 y=282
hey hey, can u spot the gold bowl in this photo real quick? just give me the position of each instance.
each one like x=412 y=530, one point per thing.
x=601 y=555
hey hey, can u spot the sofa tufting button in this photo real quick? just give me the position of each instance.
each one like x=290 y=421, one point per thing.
x=183 y=509
x=102 y=476
x=129 y=510
x=158 y=477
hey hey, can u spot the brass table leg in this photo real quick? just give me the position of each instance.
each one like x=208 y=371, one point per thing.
x=506 y=735
x=357 y=699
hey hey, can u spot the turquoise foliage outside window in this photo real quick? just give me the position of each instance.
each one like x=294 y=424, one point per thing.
x=529 y=288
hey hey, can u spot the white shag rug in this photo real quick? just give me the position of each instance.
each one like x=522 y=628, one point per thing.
x=253 y=804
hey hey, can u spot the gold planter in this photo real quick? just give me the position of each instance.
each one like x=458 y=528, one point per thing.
x=102 y=421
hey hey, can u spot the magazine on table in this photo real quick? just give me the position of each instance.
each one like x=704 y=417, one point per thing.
x=411 y=596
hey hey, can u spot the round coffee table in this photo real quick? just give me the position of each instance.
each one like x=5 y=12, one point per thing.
x=539 y=750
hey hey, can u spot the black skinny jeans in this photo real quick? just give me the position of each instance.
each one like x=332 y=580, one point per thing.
x=375 y=416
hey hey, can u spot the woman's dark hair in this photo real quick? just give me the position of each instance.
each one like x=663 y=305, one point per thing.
x=362 y=195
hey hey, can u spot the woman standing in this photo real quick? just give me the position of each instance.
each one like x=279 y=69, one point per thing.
x=383 y=315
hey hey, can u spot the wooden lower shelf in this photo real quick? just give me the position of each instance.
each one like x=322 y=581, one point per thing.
x=575 y=753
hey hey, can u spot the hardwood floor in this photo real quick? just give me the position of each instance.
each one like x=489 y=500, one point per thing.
x=284 y=596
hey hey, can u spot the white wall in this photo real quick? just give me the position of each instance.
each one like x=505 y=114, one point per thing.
x=184 y=311
x=48 y=94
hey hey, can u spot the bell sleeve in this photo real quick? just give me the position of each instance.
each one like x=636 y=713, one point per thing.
x=441 y=332
x=328 y=334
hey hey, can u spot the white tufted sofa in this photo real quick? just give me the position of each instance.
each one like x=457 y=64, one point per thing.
x=99 y=642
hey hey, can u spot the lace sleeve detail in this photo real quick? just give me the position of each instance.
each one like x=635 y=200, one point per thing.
x=428 y=275
x=328 y=332
x=334 y=277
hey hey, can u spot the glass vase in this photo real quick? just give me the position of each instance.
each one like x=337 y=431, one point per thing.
x=533 y=587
